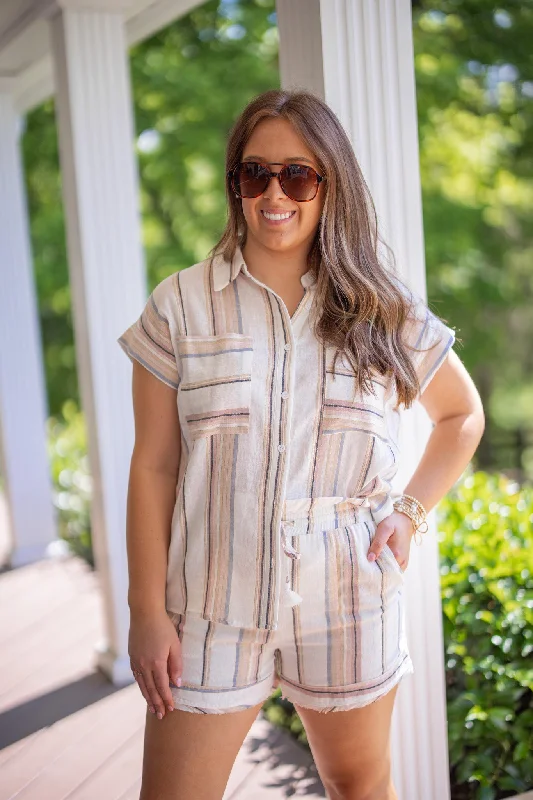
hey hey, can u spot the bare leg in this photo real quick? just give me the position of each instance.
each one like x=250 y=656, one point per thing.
x=189 y=756
x=351 y=749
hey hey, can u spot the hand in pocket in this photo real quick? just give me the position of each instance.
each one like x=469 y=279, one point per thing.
x=395 y=531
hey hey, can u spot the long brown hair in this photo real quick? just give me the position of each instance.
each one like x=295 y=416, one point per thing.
x=362 y=303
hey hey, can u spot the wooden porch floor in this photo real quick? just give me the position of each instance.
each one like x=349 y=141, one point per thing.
x=65 y=732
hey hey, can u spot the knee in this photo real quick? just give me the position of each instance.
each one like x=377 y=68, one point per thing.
x=360 y=787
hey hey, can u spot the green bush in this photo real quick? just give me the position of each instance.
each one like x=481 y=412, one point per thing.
x=485 y=536
x=67 y=447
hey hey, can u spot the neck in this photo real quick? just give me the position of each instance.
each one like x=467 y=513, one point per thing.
x=275 y=268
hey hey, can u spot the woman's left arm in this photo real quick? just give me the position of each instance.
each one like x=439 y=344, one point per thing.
x=456 y=411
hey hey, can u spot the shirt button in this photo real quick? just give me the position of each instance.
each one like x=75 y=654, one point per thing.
x=286 y=346
x=281 y=448
x=284 y=395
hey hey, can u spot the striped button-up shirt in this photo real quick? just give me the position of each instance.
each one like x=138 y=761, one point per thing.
x=265 y=421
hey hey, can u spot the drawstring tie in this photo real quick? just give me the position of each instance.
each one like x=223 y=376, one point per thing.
x=290 y=597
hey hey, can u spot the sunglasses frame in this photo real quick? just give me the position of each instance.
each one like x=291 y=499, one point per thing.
x=231 y=174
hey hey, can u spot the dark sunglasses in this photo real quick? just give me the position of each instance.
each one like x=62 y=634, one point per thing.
x=298 y=181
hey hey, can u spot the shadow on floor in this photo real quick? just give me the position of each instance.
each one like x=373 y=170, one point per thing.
x=41 y=712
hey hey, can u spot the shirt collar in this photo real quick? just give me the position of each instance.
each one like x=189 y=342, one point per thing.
x=226 y=270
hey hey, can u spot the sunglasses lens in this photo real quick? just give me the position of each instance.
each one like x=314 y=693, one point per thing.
x=250 y=179
x=299 y=182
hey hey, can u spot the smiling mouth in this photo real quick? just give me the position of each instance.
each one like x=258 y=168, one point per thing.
x=280 y=217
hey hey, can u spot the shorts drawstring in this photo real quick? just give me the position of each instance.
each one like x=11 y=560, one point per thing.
x=290 y=597
x=305 y=515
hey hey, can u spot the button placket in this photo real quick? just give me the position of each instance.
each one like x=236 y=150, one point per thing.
x=289 y=596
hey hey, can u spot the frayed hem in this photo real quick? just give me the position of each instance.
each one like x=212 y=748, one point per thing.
x=206 y=711
x=319 y=710
x=333 y=709
x=408 y=670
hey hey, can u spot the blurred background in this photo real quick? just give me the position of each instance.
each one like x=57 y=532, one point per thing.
x=474 y=77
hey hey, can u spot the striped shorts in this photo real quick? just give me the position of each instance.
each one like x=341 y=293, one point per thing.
x=340 y=642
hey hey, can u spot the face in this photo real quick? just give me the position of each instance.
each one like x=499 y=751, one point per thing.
x=275 y=140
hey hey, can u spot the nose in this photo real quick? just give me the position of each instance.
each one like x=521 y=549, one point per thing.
x=273 y=189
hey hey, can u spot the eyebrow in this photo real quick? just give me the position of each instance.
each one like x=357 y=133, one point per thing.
x=264 y=161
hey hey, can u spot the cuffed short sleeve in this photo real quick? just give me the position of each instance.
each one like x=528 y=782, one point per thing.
x=431 y=340
x=149 y=341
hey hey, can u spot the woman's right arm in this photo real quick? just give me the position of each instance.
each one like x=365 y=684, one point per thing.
x=154 y=645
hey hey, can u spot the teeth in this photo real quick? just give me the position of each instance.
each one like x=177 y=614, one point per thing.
x=286 y=215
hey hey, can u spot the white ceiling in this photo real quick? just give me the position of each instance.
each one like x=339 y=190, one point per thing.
x=25 y=59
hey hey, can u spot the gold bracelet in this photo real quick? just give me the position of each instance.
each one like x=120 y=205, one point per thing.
x=414 y=509
x=416 y=512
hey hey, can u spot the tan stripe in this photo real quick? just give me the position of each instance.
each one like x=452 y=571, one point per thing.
x=225 y=455
x=246 y=664
x=281 y=466
x=218 y=302
x=364 y=469
x=207 y=533
x=337 y=591
x=358 y=668
x=319 y=480
x=296 y=585
x=215 y=533
x=333 y=457
x=357 y=409
x=208 y=651
x=227 y=379
x=182 y=528
x=265 y=450
x=237 y=413
x=208 y=297
x=226 y=308
x=178 y=297
x=218 y=526
x=203 y=346
x=210 y=429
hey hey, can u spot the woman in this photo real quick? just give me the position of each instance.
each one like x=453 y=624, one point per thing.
x=264 y=543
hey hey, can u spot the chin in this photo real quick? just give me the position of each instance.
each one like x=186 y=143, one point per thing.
x=282 y=247
x=278 y=242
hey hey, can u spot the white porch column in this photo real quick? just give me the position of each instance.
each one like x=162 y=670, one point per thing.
x=107 y=277
x=23 y=405
x=358 y=56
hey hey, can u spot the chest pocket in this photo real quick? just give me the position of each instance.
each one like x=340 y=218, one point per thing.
x=216 y=384
x=348 y=409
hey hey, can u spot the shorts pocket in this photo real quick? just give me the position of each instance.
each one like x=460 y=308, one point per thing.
x=214 y=395
x=336 y=579
x=176 y=620
x=392 y=558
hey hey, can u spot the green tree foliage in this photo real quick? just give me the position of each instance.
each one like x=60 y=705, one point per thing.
x=45 y=208
x=474 y=72
x=67 y=450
